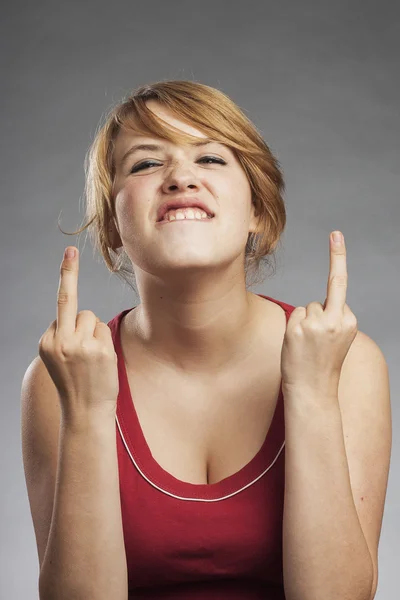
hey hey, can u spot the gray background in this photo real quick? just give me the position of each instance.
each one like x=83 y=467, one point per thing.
x=319 y=80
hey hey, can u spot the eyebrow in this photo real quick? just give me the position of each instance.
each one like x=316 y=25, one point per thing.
x=155 y=147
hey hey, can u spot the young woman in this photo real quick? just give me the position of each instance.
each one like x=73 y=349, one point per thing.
x=209 y=442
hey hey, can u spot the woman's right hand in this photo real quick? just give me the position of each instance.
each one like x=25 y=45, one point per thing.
x=79 y=354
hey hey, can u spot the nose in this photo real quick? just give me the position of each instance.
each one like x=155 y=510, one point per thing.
x=180 y=178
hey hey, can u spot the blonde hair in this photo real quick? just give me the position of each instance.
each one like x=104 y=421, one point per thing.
x=217 y=117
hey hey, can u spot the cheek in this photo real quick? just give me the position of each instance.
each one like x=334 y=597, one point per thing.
x=130 y=202
x=123 y=207
x=233 y=223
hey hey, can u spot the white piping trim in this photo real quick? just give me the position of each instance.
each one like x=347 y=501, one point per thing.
x=195 y=499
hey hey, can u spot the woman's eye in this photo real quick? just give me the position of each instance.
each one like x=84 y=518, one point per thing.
x=213 y=158
x=150 y=163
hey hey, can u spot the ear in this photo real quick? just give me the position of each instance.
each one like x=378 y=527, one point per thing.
x=115 y=240
x=254 y=217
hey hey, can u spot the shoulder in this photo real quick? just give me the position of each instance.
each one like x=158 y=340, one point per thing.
x=364 y=354
x=364 y=373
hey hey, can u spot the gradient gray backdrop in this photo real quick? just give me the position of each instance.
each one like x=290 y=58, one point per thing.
x=321 y=82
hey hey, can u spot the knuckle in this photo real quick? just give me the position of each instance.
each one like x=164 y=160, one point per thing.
x=340 y=280
x=315 y=325
x=351 y=321
x=86 y=346
x=46 y=338
x=64 y=348
x=65 y=267
x=313 y=304
x=332 y=327
x=86 y=313
x=43 y=341
x=105 y=352
x=43 y=346
x=62 y=298
x=297 y=330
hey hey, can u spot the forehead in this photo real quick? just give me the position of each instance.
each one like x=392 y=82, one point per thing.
x=172 y=119
x=163 y=113
x=127 y=138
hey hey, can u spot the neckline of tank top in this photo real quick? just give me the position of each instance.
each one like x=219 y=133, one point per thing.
x=140 y=453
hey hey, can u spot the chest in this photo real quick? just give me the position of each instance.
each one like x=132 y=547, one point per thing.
x=203 y=433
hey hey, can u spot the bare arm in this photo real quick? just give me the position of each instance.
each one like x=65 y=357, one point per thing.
x=69 y=400
x=325 y=554
x=85 y=554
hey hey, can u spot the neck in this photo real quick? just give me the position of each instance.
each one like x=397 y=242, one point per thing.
x=198 y=337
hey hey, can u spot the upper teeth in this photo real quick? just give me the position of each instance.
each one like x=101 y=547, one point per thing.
x=185 y=213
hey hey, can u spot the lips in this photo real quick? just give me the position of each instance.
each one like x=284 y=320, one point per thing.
x=182 y=203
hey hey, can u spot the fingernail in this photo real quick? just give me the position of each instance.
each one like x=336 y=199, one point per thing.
x=69 y=253
x=337 y=237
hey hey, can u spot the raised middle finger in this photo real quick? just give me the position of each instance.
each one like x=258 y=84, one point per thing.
x=337 y=281
x=67 y=295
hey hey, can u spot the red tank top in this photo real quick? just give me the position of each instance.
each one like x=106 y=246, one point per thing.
x=199 y=541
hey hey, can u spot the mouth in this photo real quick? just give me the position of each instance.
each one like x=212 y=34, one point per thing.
x=166 y=221
x=183 y=203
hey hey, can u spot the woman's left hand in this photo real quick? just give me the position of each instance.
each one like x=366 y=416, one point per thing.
x=318 y=337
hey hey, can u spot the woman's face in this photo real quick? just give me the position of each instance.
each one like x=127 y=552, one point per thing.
x=146 y=179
